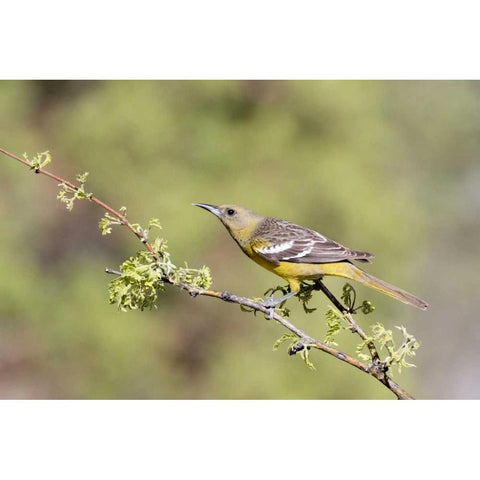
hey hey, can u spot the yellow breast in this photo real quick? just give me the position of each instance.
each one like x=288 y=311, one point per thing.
x=294 y=273
x=289 y=270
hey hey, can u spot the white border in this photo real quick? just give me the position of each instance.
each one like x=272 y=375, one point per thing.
x=238 y=40
x=238 y=439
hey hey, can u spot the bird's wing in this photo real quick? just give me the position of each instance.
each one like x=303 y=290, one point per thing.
x=281 y=241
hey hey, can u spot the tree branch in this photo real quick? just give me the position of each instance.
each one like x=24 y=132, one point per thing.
x=354 y=326
x=376 y=368
x=308 y=341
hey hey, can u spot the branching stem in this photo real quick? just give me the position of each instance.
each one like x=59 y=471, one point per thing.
x=354 y=326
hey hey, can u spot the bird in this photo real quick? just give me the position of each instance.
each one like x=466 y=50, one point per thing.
x=297 y=253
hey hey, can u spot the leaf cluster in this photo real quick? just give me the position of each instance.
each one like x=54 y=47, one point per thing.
x=396 y=355
x=146 y=273
x=108 y=221
x=334 y=325
x=293 y=347
x=68 y=194
x=39 y=160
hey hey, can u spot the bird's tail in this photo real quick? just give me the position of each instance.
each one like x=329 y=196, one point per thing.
x=354 y=273
x=392 y=291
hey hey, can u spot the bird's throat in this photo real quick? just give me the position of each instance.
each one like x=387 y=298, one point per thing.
x=243 y=236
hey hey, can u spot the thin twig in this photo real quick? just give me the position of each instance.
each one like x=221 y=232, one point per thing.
x=92 y=198
x=304 y=339
x=353 y=325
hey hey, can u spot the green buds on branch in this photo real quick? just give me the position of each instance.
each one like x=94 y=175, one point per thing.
x=108 y=221
x=349 y=297
x=68 y=194
x=295 y=346
x=146 y=273
x=396 y=355
x=39 y=160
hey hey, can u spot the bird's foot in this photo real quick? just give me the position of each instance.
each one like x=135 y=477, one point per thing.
x=269 y=303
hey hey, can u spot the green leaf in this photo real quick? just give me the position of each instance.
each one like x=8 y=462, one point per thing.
x=105 y=226
x=244 y=308
x=286 y=336
x=334 y=325
x=349 y=296
x=39 y=160
x=305 y=355
x=82 y=177
x=195 y=277
x=367 y=307
x=363 y=346
x=397 y=356
x=138 y=285
x=363 y=357
x=68 y=195
x=108 y=221
x=279 y=288
x=284 y=311
x=154 y=222
x=305 y=295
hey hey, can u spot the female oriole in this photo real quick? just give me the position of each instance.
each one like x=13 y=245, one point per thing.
x=296 y=253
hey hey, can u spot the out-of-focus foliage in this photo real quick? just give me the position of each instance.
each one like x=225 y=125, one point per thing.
x=388 y=167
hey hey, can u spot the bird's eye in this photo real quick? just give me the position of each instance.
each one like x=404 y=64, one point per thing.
x=230 y=211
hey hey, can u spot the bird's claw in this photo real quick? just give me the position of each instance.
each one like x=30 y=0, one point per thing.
x=271 y=313
x=269 y=303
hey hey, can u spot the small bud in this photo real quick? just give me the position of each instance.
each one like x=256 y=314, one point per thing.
x=298 y=347
x=226 y=296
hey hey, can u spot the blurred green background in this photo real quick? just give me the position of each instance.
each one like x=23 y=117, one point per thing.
x=390 y=167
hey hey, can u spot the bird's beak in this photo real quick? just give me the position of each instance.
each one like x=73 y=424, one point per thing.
x=211 y=208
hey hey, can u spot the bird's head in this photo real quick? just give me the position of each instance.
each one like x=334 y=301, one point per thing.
x=235 y=218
